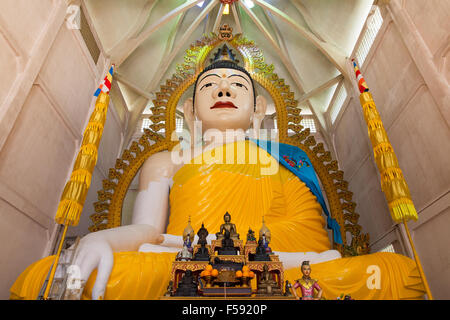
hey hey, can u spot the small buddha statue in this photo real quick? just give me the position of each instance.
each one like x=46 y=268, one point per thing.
x=266 y=285
x=169 y=291
x=185 y=254
x=265 y=244
x=202 y=253
x=261 y=253
x=227 y=245
x=202 y=235
x=287 y=289
x=231 y=227
x=251 y=236
x=187 y=287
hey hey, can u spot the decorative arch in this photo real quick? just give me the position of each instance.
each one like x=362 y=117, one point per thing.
x=108 y=208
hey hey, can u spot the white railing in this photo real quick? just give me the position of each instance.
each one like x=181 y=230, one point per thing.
x=373 y=25
x=389 y=248
x=338 y=103
x=308 y=122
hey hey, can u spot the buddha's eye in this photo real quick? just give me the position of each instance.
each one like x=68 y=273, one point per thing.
x=240 y=85
x=209 y=84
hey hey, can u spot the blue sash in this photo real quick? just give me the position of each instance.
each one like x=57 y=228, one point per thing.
x=296 y=160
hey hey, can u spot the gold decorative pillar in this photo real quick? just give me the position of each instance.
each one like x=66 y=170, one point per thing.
x=76 y=189
x=393 y=183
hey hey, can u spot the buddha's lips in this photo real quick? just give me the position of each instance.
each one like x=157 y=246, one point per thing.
x=224 y=104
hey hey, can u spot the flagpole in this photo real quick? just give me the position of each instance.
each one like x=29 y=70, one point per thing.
x=416 y=258
x=76 y=189
x=55 y=264
x=393 y=183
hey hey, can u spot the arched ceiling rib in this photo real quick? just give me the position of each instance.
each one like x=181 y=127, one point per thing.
x=333 y=53
x=124 y=48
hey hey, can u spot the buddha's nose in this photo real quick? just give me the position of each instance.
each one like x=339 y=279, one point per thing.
x=225 y=90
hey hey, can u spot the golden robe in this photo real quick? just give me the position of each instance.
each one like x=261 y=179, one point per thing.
x=205 y=190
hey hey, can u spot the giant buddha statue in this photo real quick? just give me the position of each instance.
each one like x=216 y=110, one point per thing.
x=134 y=261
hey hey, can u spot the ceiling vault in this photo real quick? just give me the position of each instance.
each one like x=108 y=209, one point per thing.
x=218 y=19
x=310 y=22
x=236 y=18
x=135 y=29
x=333 y=54
x=119 y=77
x=181 y=44
x=310 y=40
x=320 y=88
x=286 y=61
x=124 y=50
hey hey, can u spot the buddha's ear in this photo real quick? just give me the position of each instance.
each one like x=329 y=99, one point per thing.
x=260 y=107
x=259 y=114
x=188 y=109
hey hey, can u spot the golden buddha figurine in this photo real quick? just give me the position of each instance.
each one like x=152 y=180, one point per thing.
x=134 y=261
x=230 y=227
x=267 y=286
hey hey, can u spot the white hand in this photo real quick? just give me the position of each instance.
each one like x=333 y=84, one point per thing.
x=95 y=253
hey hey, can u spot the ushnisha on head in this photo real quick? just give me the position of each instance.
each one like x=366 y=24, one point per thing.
x=225 y=98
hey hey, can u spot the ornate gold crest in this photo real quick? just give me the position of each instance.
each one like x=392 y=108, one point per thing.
x=225 y=32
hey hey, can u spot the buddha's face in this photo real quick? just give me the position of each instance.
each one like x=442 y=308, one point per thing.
x=224 y=100
x=227 y=218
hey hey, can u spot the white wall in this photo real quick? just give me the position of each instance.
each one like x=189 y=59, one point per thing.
x=407 y=73
x=46 y=97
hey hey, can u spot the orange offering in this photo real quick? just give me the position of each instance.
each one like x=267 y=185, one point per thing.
x=245 y=268
x=251 y=274
x=214 y=273
x=209 y=267
x=238 y=273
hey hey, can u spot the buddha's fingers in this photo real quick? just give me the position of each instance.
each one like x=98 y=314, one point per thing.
x=87 y=262
x=148 y=247
x=156 y=238
x=103 y=272
x=171 y=240
x=294 y=259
